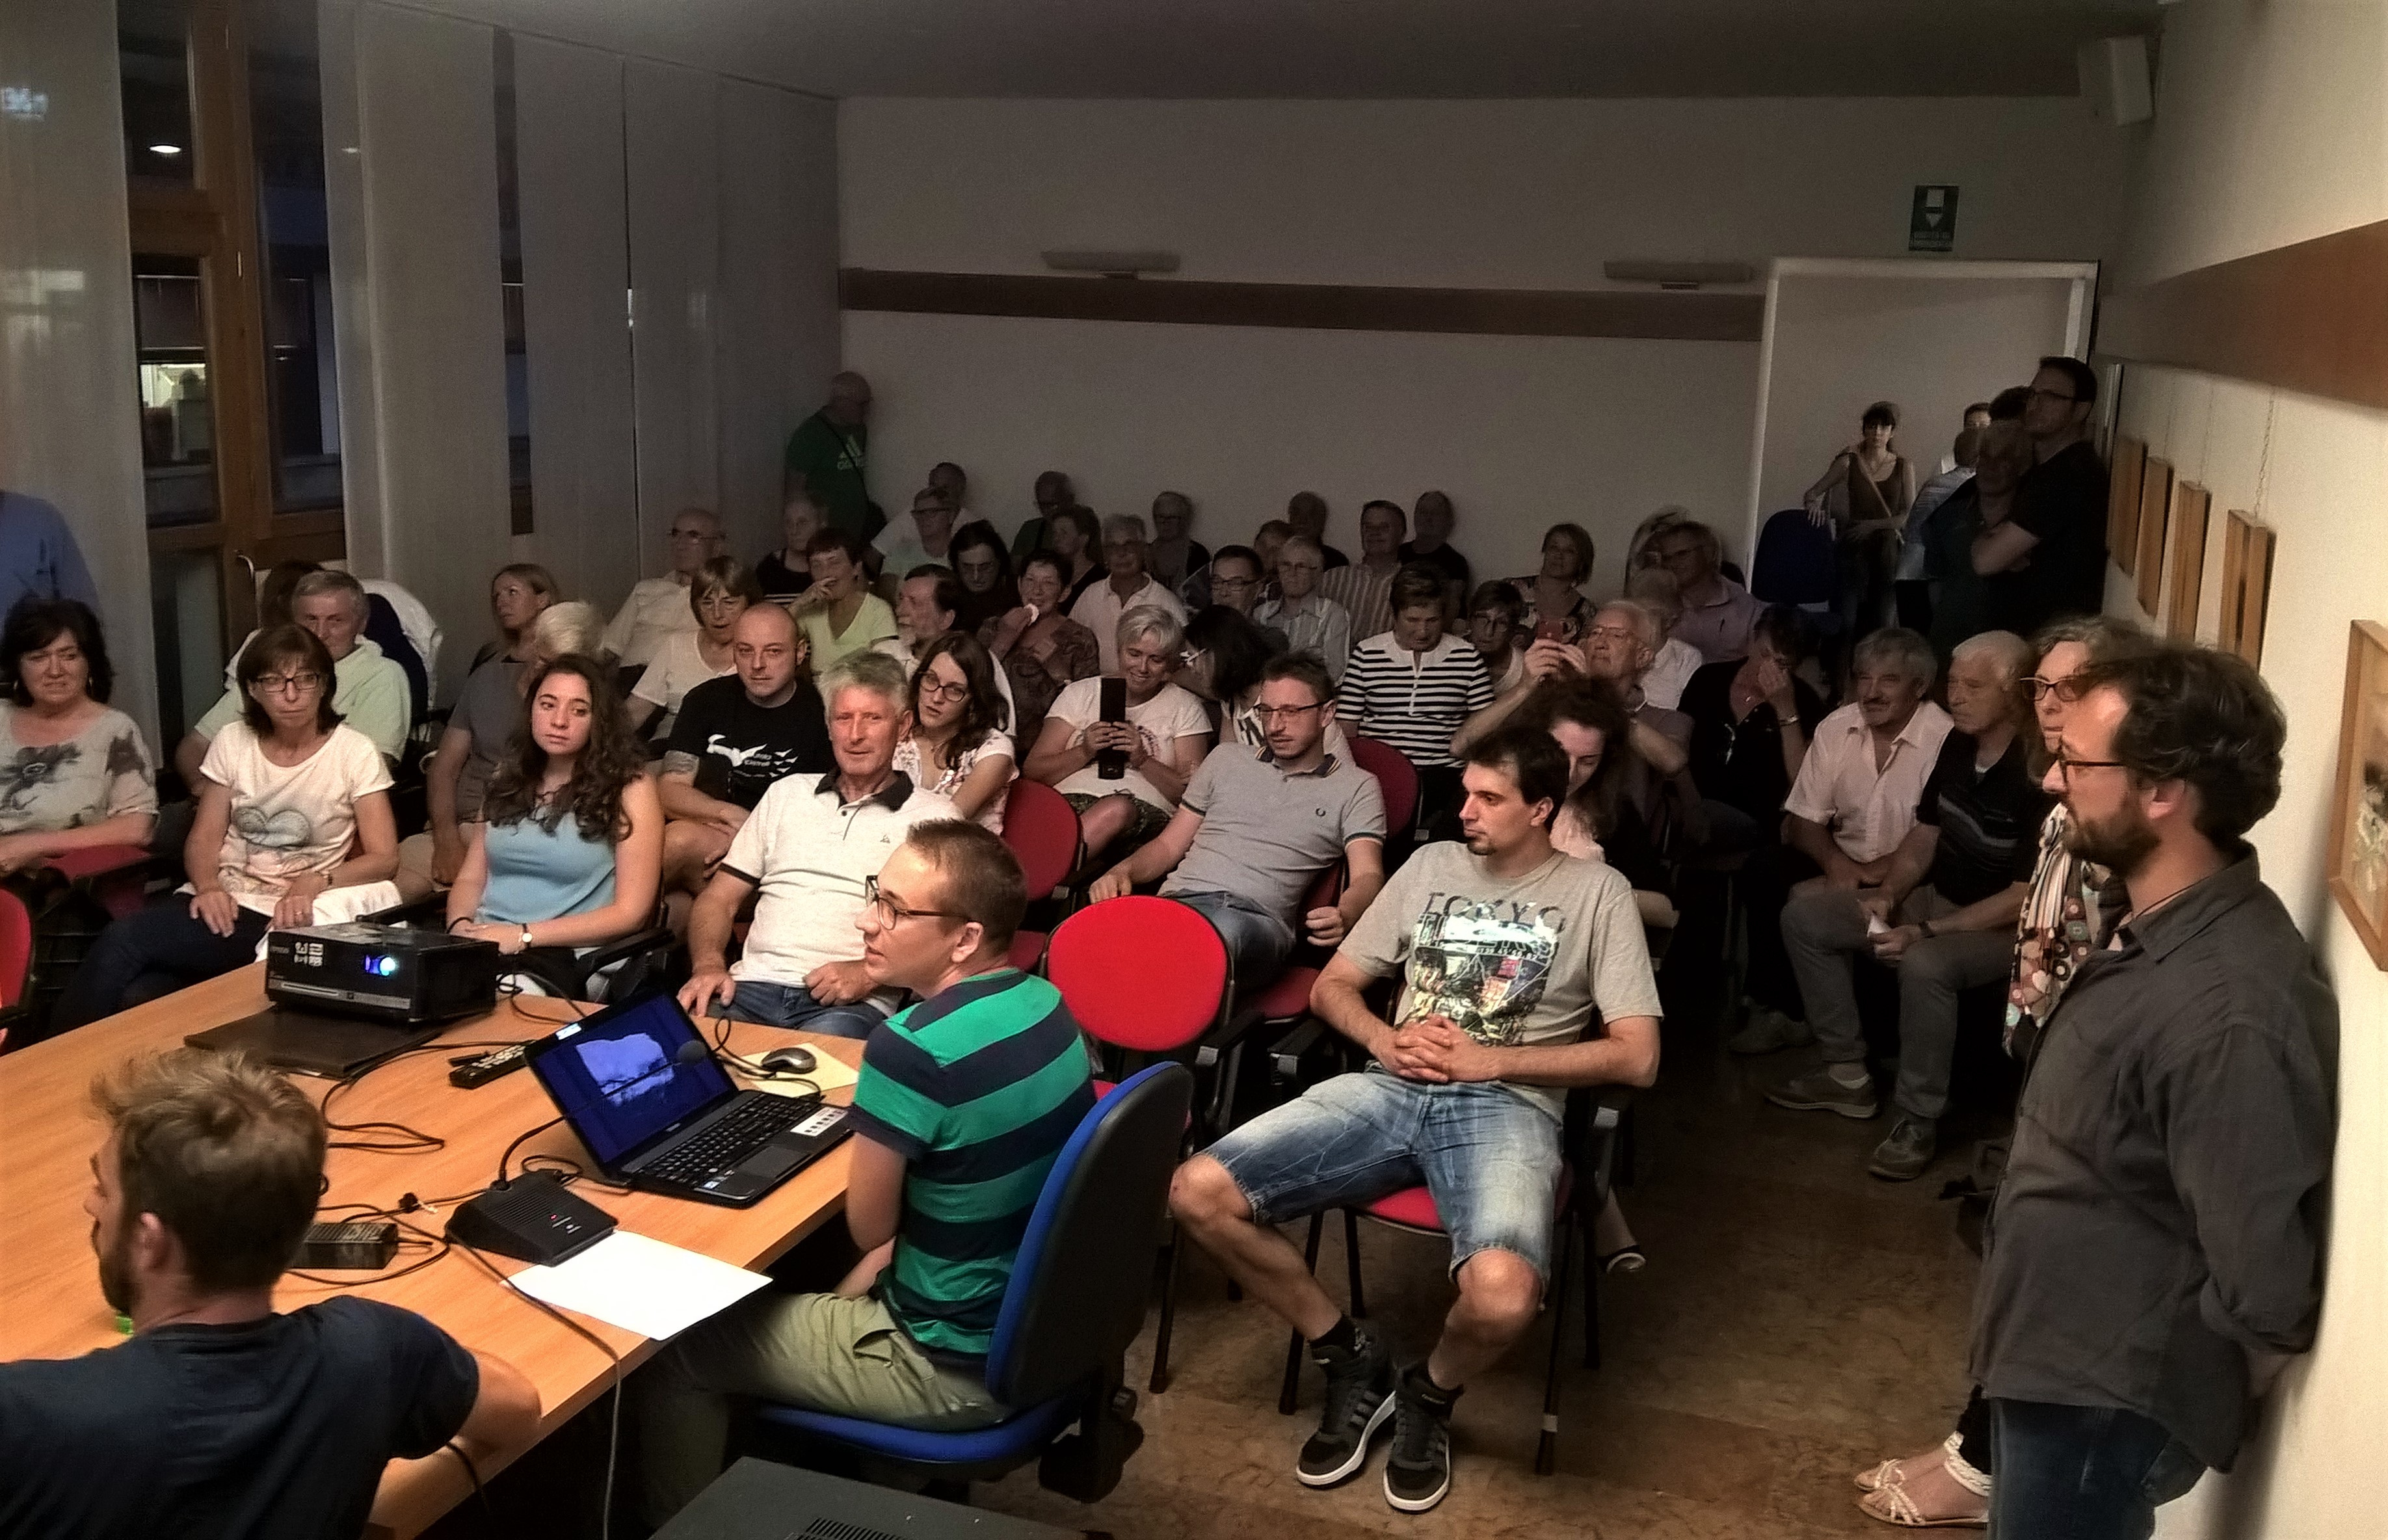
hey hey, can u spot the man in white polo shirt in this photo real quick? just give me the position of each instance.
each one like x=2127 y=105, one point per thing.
x=809 y=848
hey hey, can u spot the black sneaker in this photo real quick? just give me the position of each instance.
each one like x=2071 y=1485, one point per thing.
x=1418 y=1470
x=1359 y=1398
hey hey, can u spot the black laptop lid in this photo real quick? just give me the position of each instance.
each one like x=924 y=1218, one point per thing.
x=628 y=1074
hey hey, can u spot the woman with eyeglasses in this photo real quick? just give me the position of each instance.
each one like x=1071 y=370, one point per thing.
x=960 y=746
x=292 y=803
x=1041 y=649
x=74 y=774
x=717 y=593
x=571 y=851
x=1496 y=625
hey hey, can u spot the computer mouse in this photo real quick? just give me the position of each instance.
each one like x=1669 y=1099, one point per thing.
x=789 y=1060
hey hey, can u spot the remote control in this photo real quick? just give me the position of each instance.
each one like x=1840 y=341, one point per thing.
x=487 y=1067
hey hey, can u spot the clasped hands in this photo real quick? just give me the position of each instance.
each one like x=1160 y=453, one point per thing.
x=1436 y=1051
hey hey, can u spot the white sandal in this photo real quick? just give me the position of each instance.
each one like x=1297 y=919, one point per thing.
x=1904 y=1512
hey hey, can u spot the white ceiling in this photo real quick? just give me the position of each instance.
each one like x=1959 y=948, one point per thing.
x=1327 y=48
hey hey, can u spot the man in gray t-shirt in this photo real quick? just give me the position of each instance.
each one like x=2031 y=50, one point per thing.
x=1509 y=952
x=1256 y=828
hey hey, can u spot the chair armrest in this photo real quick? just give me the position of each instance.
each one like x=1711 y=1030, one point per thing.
x=628 y=947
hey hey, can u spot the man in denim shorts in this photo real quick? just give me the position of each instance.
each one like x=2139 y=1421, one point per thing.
x=1509 y=952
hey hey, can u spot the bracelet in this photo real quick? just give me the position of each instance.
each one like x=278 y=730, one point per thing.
x=460 y=920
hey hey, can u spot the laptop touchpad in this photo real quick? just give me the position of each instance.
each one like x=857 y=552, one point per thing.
x=770 y=1160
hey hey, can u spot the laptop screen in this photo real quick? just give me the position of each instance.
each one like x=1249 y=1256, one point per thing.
x=627 y=1074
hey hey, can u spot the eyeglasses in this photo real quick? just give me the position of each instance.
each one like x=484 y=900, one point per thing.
x=938 y=690
x=288 y=684
x=2066 y=690
x=691 y=534
x=889 y=913
x=2037 y=394
x=2066 y=764
x=1264 y=715
x=1219 y=583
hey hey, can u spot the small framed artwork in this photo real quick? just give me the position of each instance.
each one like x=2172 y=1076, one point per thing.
x=2246 y=584
x=2123 y=502
x=2359 y=824
x=2155 y=502
x=2191 y=506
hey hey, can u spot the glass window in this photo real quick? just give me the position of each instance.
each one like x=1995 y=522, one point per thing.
x=510 y=276
x=154 y=64
x=302 y=372
x=170 y=329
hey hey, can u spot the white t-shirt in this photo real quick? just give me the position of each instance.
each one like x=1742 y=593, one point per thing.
x=678 y=667
x=656 y=608
x=806 y=852
x=997 y=746
x=1662 y=686
x=288 y=821
x=1170 y=714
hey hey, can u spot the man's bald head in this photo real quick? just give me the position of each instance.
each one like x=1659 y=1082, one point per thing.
x=849 y=400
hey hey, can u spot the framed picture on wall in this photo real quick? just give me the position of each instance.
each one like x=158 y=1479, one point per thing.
x=2246 y=585
x=2155 y=502
x=2359 y=824
x=2191 y=506
x=2123 y=502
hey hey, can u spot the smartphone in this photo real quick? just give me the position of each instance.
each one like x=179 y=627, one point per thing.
x=1561 y=629
x=1875 y=926
x=1111 y=764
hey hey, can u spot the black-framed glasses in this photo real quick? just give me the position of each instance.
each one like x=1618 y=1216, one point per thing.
x=2066 y=764
x=2066 y=690
x=943 y=690
x=1264 y=715
x=2039 y=394
x=288 y=684
x=889 y=913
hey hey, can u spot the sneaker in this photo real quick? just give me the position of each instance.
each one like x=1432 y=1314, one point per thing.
x=1359 y=1399
x=1768 y=1030
x=1817 y=1092
x=1908 y=1152
x=1418 y=1469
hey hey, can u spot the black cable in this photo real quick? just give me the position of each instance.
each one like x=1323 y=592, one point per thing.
x=404 y=1141
x=509 y=1153
x=472 y=1473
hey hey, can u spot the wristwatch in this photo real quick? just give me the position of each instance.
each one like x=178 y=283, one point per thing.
x=525 y=939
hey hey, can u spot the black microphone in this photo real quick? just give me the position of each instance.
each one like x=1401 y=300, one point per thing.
x=694 y=1051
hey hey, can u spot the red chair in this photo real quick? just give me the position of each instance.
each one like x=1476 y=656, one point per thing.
x=114 y=875
x=1149 y=977
x=16 y=949
x=1396 y=776
x=1041 y=829
x=1594 y=1125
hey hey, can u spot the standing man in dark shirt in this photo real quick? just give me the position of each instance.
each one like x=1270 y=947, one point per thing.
x=220 y=1418
x=1307 y=512
x=2048 y=560
x=826 y=456
x=1432 y=519
x=2153 y=1253
x=734 y=736
x=1944 y=915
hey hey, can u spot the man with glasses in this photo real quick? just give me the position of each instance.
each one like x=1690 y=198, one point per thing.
x=966 y=1100
x=658 y=608
x=1234 y=579
x=1128 y=587
x=1309 y=621
x=1257 y=826
x=369 y=691
x=1716 y=612
x=921 y=541
x=804 y=852
x=2048 y=559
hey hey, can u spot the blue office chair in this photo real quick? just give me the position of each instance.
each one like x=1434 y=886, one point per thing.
x=1076 y=1300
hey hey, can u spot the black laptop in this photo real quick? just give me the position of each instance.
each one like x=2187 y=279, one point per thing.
x=655 y=1108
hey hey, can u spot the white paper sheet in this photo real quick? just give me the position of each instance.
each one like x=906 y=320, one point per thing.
x=641 y=1284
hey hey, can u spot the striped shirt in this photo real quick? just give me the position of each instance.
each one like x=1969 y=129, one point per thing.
x=977 y=1087
x=1414 y=701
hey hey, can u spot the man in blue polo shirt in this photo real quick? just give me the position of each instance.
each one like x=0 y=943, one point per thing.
x=965 y=1100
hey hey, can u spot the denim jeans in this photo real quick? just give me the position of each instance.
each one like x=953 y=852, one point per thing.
x=793 y=1005
x=1489 y=1158
x=1258 y=942
x=2081 y=1472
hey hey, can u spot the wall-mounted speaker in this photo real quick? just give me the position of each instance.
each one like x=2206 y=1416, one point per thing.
x=2115 y=79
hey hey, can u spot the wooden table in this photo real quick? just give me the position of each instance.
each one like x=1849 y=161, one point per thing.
x=50 y=1304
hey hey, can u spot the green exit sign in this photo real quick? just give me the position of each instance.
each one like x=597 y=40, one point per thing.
x=1932 y=224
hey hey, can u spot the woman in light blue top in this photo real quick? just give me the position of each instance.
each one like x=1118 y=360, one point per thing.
x=572 y=851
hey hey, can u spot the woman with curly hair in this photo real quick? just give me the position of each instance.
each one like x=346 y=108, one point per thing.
x=961 y=745
x=571 y=853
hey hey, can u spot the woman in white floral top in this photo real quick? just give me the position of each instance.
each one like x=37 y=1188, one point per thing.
x=959 y=746
x=74 y=774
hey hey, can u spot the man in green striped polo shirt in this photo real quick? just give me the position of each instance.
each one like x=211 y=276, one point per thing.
x=965 y=1100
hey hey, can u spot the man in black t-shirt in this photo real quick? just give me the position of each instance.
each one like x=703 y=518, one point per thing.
x=734 y=736
x=220 y=1418
x=2048 y=560
x=1944 y=916
x=1432 y=519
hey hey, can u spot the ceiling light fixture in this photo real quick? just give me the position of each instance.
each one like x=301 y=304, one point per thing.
x=166 y=149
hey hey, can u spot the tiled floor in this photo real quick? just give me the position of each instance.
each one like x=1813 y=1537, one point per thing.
x=1799 y=1320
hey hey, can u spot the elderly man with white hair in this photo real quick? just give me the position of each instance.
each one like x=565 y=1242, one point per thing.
x=369 y=690
x=1943 y=914
x=1129 y=586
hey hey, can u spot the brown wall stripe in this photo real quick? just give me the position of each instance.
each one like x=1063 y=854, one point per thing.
x=2311 y=317
x=1333 y=306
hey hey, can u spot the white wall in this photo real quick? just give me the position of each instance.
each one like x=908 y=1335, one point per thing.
x=1533 y=193
x=2270 y=129
x=69 y=431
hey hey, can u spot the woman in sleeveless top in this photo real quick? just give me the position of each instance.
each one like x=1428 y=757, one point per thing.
x=1865 y=493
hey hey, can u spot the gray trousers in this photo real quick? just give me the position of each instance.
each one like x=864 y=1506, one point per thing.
x=1823 y=928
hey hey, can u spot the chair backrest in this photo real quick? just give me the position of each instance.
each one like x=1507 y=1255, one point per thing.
x=1146 y=974
x=1793 y=563
x=1076 y=1298
x=1042 y=830
x=15 y=949
x=1396 y=778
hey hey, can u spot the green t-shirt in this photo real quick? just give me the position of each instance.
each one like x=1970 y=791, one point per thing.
x=831 y=461
x=978 y=1089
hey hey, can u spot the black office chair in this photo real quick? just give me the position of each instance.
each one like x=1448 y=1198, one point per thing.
x=613 y=972
x=1075 y=1301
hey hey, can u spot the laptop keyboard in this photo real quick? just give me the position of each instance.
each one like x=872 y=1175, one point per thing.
x=733 y=1137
